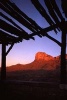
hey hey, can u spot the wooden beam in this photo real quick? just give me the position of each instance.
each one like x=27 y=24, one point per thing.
x=43 y=12
x=13 y=30
x=56 y=9
x=63 y=56
x=10 y=20
x=51 y=11
x=53 y=39
x=33 y=23
x=17 y=16
x=9 y=49
x=4 y=34
x=8 y=39
x=48 y=29
x=3 y=63
x=10 y=28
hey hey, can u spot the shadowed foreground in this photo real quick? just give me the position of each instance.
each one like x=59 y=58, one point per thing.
x=18 y=90
x=32 y=85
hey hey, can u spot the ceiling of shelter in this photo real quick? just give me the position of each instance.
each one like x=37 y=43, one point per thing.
x=11 y=32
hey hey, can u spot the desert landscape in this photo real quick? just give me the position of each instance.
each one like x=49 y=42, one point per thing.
x=44 y=68
x=38 y=80
x=45 y=78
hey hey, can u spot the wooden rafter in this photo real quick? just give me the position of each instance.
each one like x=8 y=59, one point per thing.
x=10 y=20
x=50 y=28
x=51 y=11
x=33 y=23
x=43 y=12
x=17 y=16
x=56 y=9
x=11 y=29
x=8 y=39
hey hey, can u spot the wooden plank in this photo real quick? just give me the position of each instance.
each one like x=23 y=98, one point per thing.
x=51 y=11
x=33 y=23
x=8 y=39
x=50 y=28
x=4 y=34
x=10 y=20
x=56 y=9
x=9 y=28
x=43 y=12
x=17 y=17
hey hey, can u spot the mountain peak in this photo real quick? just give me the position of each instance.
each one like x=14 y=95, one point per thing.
x=42 y=61
x=43 y=56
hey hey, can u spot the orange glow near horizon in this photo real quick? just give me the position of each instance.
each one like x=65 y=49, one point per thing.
x=25 y=51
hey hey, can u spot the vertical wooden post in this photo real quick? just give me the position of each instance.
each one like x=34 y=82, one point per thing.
x=63 y=58
x=3 y=63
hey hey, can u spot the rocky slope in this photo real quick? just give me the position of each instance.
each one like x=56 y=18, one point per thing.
x=42 y=61
x=43 y=56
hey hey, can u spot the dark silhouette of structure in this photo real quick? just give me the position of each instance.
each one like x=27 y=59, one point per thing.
x=17 y=34
x=64 y=6
x=59 y=20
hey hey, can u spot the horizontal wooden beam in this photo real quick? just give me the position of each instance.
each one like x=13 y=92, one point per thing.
x=50 y=28
x=4 y=34
x=44 y=31
x=8 y=39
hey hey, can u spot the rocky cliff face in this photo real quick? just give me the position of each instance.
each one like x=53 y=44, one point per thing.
x=46 y=61
x=43 y=56
x=42 y=61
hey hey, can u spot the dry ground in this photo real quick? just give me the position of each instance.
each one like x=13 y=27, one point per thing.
x=32 y=85
x=31 y=91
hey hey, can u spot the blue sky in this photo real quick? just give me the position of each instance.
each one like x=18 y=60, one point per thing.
x=25 y=51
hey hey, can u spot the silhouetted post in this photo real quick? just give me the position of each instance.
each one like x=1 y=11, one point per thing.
x=3 y=63
x=63 y=56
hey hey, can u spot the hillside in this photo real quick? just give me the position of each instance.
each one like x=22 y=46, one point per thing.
x=42 y=61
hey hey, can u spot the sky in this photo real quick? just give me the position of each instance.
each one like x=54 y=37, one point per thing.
x=25 y=51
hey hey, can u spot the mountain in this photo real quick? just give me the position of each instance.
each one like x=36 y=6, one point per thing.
x=43 y=56
x=42 y=61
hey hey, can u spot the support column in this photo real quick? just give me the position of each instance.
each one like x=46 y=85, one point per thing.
x=3 y=63
x=63 y=58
